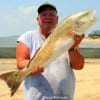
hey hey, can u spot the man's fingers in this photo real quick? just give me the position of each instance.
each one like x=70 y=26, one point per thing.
x=38 y=70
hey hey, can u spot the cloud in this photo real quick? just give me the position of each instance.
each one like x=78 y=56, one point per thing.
x=28 y=13
x=27 y=10
x=11 y=21
x=20 y=20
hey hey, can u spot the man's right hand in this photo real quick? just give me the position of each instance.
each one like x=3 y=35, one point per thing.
x=38 y=70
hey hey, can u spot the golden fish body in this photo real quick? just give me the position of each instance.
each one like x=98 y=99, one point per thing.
x=61 y=38
x=58 y=42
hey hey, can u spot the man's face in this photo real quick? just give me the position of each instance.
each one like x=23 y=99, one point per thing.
x=47 y=19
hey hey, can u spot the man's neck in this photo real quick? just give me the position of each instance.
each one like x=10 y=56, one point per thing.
x=45 y=33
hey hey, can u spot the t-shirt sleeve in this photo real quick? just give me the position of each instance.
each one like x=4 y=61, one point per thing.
x=25 y=38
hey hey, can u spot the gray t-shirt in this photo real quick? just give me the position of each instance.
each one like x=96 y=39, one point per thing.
x=57 y=80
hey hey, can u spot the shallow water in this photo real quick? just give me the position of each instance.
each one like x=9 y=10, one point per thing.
x=8 y=41
x=11 y=42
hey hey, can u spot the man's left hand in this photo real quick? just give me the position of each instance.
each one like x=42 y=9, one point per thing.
x=77 y=39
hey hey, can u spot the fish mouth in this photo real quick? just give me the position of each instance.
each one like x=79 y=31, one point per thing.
x=88 y=16
x=84 y=20
x=92 y=14
x=85 y=15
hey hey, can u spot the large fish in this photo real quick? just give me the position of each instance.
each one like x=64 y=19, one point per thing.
x=58 y=42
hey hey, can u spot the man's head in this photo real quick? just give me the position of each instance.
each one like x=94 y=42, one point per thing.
x=47 y=16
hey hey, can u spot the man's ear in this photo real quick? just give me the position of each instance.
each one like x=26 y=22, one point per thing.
x=57 y=19
x=37 y=18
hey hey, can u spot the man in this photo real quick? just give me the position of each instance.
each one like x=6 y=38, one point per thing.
x=57 y=81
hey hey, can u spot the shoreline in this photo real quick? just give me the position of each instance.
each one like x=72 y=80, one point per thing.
x=90 y=48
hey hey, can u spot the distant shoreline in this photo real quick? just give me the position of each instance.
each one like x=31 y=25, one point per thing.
x=90 y=51
x=7 y=52
x=90 y=40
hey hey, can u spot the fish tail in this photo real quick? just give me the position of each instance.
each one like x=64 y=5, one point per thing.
x=12 y=80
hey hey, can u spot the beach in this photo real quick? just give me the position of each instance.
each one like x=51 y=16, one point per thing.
x=87 y=80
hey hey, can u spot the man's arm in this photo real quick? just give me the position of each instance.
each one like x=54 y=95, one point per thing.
x=76 y=58
x=22 y=55
x=23 y=58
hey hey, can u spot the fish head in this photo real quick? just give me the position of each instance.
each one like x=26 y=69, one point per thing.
x=83 y=21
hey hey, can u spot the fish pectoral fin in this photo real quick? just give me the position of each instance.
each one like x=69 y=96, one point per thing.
x=12 y=80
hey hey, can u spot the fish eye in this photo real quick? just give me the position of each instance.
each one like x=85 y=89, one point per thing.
x=78 y=24
x=15 y=74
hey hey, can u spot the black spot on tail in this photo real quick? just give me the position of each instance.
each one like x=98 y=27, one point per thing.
x=12 y=80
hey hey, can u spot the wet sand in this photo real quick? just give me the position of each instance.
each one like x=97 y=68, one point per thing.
x=87 y=81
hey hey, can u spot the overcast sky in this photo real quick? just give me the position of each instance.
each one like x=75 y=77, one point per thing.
x=19 y=16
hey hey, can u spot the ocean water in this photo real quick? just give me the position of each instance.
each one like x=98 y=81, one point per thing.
x=11 y=42
x=89 y=45
x=8 y=41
